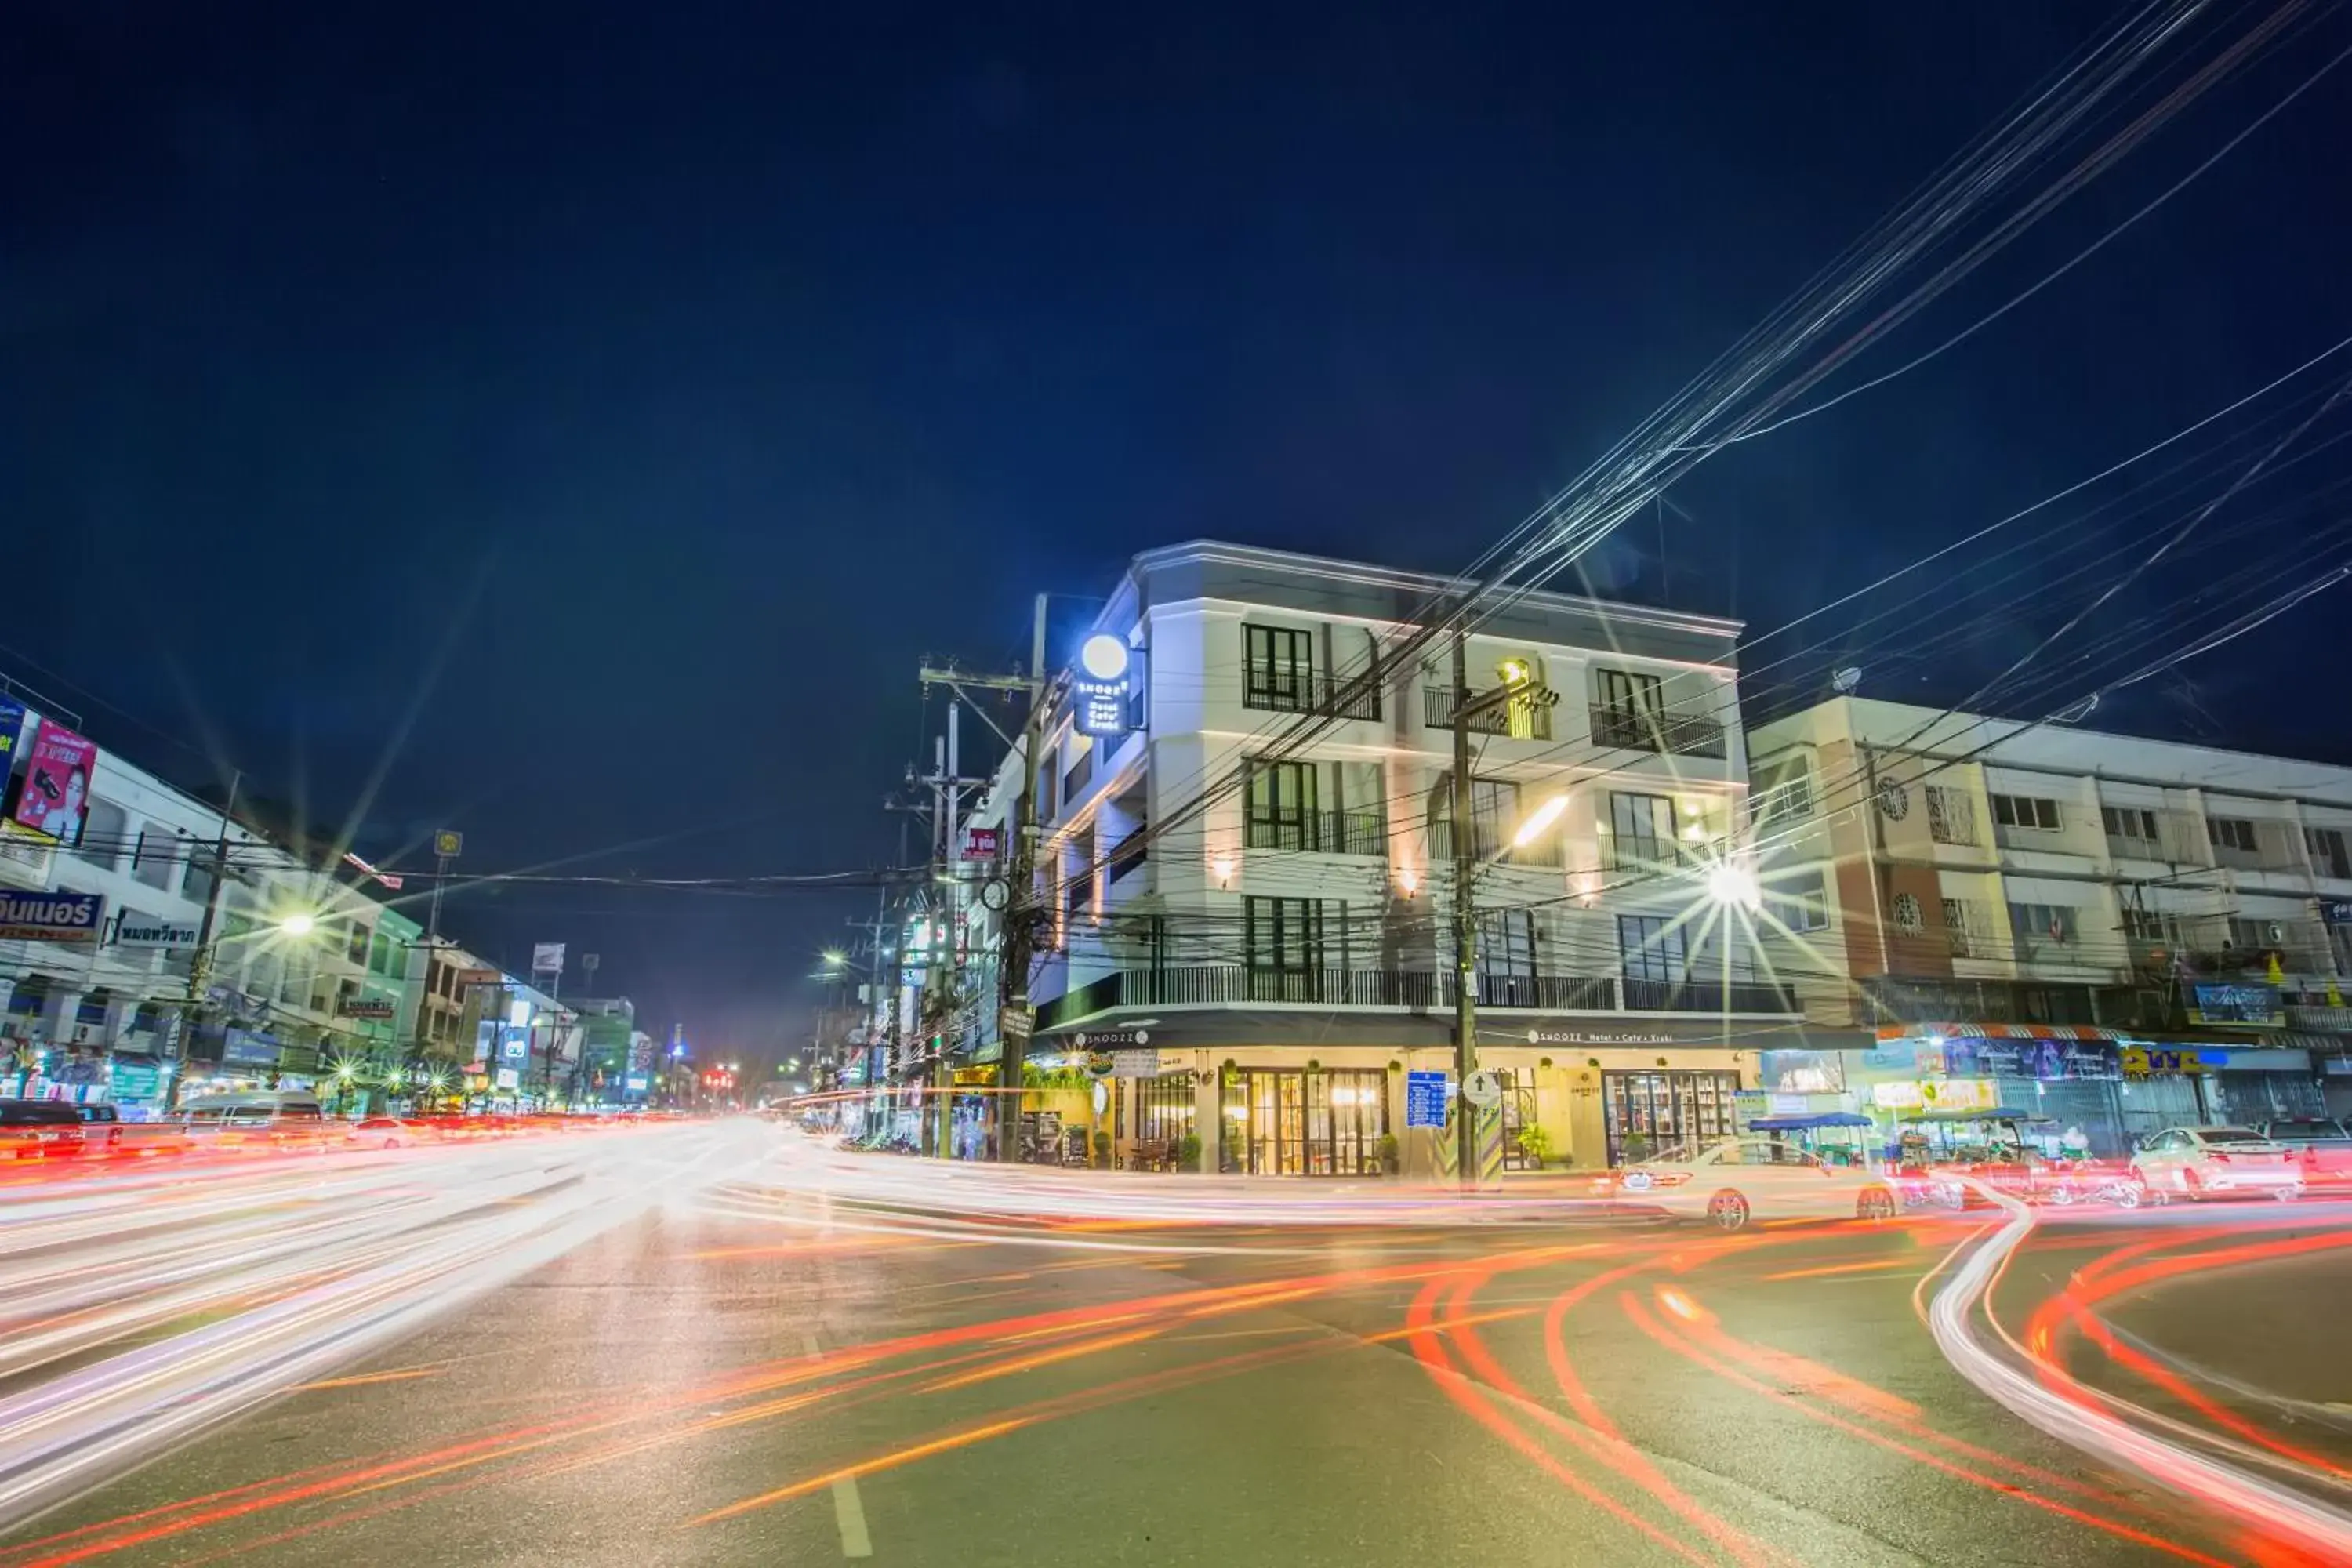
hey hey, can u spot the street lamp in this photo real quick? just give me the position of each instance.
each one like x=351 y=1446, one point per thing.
x=298 y=923
x=1729 y=884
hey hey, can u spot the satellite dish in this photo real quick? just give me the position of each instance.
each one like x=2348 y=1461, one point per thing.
x=1846 y=679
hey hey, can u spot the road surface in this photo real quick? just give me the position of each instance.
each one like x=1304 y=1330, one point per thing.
x=722 y=1344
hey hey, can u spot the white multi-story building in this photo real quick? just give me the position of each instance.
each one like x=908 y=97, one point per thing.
x=1274 y=917
x=2123 y=932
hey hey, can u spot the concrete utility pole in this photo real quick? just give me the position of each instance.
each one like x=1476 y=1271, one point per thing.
x=1515 y=686
x=1019 y=934
x=200 y=963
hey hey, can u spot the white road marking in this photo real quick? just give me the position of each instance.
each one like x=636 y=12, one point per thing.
x=848 y=1511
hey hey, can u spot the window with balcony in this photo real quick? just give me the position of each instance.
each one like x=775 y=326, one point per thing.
x=1630 y=711
x=1277 y=669
x=1650 y=948
x=1641 y=832
x=2329 y=857
x=1283 y=807
x=355 y=942
x=2153 y=927
x=1951 y=814
x=2026 y=811
x=1283 y=946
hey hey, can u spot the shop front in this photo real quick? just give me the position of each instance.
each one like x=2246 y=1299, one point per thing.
x=1308 y=1122
x=2068 y=1080
x=2193 y=1083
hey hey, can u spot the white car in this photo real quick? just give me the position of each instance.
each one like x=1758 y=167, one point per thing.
x=1742 y=1179
x=2192 y=1162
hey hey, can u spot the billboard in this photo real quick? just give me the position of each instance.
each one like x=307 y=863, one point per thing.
x=12 y=726
x=547 y=958
x=56 y=795
x=153 y=930
x=51 y=917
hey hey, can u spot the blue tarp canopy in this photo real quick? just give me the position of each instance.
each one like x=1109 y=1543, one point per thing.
x=1807 y=1123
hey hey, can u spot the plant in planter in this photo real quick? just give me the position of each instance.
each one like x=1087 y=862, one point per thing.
x=1188 y=1151
x=1102 y=1150
x=1635 y=1148
x=1390 y=1161
x=1536 y=1144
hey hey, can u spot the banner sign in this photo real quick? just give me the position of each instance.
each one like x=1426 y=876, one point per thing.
x=51 y=917
x=981 y=843
x=1015 y=1023
x=547 y=958
x=386 y=878
x=2050 y=1061
x=1425 y=1096
x=153 y=930
x=56 y=785
x=2150 y=1061
x=12 y=729
x=367 y=1007
x=2255 y=1006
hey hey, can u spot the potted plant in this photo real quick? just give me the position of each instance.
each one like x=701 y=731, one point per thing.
x=1635 y=1148
x=1389 y=1160
x=1188 y=1151
x=1102 y=1150
x=1536 y=1144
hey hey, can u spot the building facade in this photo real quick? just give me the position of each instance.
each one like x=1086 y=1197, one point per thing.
x=1246 y=861
x=2116 y=933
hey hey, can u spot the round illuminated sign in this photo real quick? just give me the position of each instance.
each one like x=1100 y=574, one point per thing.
x=1103 y=657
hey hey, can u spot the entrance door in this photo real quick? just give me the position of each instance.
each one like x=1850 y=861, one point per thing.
x=1277 y=1122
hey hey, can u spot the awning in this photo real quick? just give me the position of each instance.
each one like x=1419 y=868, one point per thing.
x=1177 y=1029
x=1808 y=1123
x=2001 y=1032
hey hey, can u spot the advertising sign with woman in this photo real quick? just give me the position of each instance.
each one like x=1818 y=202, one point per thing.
x=54 y=798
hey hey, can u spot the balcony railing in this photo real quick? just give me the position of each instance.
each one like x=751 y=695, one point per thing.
x=1707 y=996
x=1528 y=721
x=1490 y=842
x=1327 y=831
x=1412 y=989
x=1640 y=730
x=1284 y=689
x=1638 y=852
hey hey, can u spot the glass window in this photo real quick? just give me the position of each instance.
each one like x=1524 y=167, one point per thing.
x=2128 y=822
x=1278 y=668
x=1640 y=831
x=1651 y=947
x=2330 y=855
x=2025 y=811
x=2035 y=924
x=156 y=861
x=1282 y=806
x=355 y=942
x=2231 y=833
x=1800 y=900
x=102 y=835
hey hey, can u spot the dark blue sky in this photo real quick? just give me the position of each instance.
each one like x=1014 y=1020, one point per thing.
x=646 y=390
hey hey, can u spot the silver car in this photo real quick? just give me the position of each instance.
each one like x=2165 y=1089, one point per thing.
x=2192 y=1162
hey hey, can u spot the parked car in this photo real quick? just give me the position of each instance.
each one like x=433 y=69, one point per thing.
x=39 y=1129
x=1739 y=1180
x=2194 y=1162
x=2321 y=1148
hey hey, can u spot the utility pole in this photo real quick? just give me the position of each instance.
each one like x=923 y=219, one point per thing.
x=1013 y=986
x=200 y=963
x=1465 y=927
x=1517 y=686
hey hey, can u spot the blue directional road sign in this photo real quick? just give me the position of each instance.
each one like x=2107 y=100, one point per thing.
x=1425 y=1097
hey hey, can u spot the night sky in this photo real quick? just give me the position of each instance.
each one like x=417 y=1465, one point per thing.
x=572 y=424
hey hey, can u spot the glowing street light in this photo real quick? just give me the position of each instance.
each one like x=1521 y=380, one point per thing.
x=835 y=958
x=1543 y=817
x=299 y=924
x=1728 y=883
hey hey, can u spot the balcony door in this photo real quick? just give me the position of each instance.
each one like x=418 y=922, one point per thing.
x=1282 y=806
x=1654 y=959
x=1277 y=669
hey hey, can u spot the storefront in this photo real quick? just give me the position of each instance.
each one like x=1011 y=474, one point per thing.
x=1306 y=1122
x=2068 y=1080
x=1645 y=1114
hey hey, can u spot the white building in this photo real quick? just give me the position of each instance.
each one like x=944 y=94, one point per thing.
x=1274 y=918
x=1968 y=886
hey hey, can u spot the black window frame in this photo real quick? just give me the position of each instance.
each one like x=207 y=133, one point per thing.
x=1653 y=948
x=1278 y=668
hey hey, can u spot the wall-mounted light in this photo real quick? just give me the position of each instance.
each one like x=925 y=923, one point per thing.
x=1543 y=817
x=1408 y=880
x=1222 y=868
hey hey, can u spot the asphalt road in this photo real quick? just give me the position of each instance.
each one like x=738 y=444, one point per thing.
x=718 y=1346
